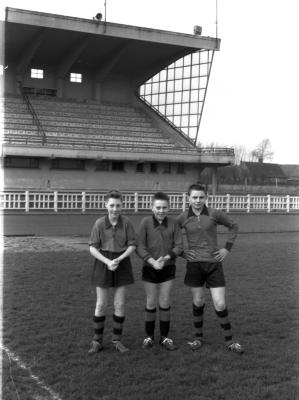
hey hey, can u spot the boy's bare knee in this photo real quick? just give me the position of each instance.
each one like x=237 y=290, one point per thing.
x=150 y=304
x=164 y=302
x=199 y=300
x=119 y=308
x=100 y=309
x=219 y=305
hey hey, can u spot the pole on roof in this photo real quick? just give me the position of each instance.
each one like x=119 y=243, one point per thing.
x=105 y=21
x=216 y=22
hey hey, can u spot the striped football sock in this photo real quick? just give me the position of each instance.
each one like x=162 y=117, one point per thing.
x=198 y=320
x=225 y=325
x=117 y=327
x=98 y=323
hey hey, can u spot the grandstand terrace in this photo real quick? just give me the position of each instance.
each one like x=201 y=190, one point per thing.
x=79 y=111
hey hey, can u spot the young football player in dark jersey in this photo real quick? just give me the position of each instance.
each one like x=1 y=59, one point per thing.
x=159 y=243
x=112 y=240
x=204 y=262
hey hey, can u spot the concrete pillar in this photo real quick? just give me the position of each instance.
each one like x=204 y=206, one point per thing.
x=60 y=87
x=214 y=180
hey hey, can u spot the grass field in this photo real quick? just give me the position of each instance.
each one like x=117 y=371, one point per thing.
x=48 y=309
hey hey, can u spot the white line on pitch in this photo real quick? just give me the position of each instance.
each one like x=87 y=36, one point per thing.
x=39 y=382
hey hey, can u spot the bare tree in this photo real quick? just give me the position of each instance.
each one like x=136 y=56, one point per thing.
x=263 y=151
x=241 y=154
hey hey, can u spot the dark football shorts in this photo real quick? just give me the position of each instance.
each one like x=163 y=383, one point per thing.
x=202 y=273
x=103 y=277
x=150 y=274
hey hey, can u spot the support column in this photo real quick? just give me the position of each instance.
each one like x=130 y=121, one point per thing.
x=18 y=81
x=60 y=87
x=214 y=180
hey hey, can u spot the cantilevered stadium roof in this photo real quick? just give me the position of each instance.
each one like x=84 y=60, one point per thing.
x=104 y=47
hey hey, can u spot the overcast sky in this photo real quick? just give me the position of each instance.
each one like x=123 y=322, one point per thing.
x=254 y=86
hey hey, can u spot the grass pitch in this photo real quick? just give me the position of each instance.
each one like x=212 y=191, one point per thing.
x=48 y=309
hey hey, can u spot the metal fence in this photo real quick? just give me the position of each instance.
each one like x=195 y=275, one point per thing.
x=94 y=201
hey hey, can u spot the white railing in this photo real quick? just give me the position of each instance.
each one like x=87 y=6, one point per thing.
x=92 y=201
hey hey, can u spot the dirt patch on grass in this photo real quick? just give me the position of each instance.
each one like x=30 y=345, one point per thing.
x=18 y=244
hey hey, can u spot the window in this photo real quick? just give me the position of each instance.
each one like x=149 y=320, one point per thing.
x=102 y=165
x=180 y=168
x=140 y=167
x=67 y=163
x=75 y=77
x=117 y=166
x=153 y=168
x=37 y=73
x=21 y=162
x=166 y=168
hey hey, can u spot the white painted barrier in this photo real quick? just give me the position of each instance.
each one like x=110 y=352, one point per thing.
x=93 y=201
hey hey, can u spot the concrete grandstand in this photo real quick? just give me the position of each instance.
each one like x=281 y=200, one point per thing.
x=73 y=116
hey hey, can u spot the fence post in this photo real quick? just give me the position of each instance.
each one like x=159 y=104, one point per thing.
x=83 y=201
x=55 y=201
x=136 y=202
x=248 y=203
x=27 y=200
x=227 y=202
x=288 y=203
x=269 y=203
x=184 y=201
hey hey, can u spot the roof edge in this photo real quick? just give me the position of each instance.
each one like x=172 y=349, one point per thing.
x=37 y=18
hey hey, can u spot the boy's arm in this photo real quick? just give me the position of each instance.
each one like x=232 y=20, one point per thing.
x=141 y=242
x=223 y=219
x=189 y=255
x=178 y=241
x=127 y=253
x=99 y=256
x=177 y=244
x=131 y=242
x=95 y=237
x=131 y=236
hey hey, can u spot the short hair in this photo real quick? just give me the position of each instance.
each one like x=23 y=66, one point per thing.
x=113 y=194
x=197 y=186
x=161 y=196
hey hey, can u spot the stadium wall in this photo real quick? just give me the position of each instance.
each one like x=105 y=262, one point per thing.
x=88 y=179
x=80 y=224
x=114 y=89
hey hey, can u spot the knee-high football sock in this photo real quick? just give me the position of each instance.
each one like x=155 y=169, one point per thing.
x=198 y=320
x=98 y=323
x=164 y=314
x=225 y=325
x=150 y=321
x=117 y=327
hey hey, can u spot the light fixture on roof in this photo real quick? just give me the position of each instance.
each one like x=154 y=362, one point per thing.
x=197 y=30
x=98 y=17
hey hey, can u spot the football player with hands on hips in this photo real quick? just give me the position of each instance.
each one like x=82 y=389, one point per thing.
x=204 y=262
x=112 y=241
x=159 y=243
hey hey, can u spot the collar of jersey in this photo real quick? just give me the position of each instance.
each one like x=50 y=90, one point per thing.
x=157 y=223
x=109 y=225
x=204 y=211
